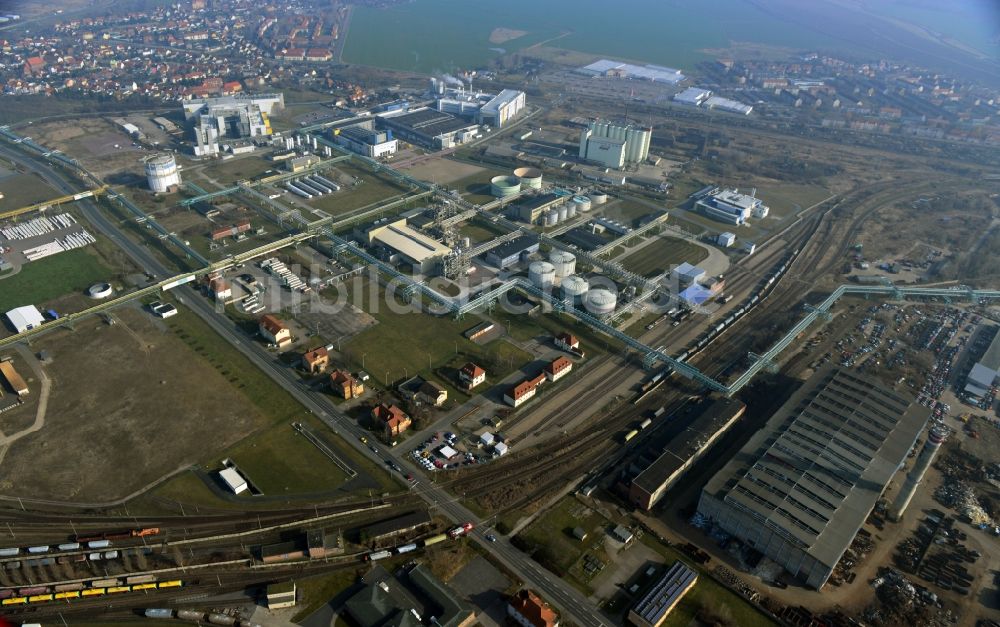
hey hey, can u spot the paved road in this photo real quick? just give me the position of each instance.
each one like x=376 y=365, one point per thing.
x=571 y=603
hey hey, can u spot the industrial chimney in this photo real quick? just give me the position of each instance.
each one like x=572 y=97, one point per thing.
x=935 y=438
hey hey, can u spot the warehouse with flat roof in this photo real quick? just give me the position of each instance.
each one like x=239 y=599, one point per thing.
x=429 y=128
x=409 y=245
x=654 y=607
x=509 y=253
x=803 y=485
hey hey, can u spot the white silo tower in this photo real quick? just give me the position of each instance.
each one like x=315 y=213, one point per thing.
x=542 y=274
x=600 y=302
x=575 y=287
x=162 y=173
x=564 y=262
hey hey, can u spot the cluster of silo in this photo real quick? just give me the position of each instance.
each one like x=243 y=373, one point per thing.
x=564 y=262
x=600 y=301
x=542 y=274
x=574 y=287
x=530 y=178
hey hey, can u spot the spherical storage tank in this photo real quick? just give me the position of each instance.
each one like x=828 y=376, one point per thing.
x=504 y=186
x=575 y=287
x=162 y=173
x=542 y=274
x=531 y=178
x=564 y=262
x=600 y=301
x=581 y=203
x=598 y=198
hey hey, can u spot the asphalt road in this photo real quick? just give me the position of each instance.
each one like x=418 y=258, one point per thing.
x=570 y=602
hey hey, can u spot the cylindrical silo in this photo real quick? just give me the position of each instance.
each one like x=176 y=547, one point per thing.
x=935 y=438
x=531 y=178
x=162 y=173
x=564 y=262
x=582 y=203
x=600 y=302
x=563 y=212
x=598 y=198
x=542 y=274
x=572 y=211
x=574 y=287
x=551 y=217
x=504 y=186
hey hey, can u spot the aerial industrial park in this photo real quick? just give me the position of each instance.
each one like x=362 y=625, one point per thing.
x=551 y=335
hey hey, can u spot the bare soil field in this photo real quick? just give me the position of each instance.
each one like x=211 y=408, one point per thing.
x=93 y=142
x=129 y=404
x=445 y=171
x=502 y=35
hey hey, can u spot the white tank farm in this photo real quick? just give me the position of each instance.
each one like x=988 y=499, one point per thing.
x=551 y=217
x=581 y=203
x=598 y=198
x=563 y=212
x=564 y=262
x=162 y=173
x=574 y=287
x=600 y=302
x=542 y=274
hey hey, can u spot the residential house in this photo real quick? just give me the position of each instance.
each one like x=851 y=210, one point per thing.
x=275 y=331
x=523 y=391
x=432 y=393
x=345 y=385
x=221 y=290
x=471 y=375
x=567 y=342
x=391 y=419
x=316 y=360
x=528 y=610
x=559 y=367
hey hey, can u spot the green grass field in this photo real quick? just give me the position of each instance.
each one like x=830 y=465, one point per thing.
x=374 y=188
x=21 y=190
x=44 y=280
x=657 y=256
x=231 y=170
x=402 y=345
x=282 y=461
x=480 y=231
x=786 y=200
x=524 y=328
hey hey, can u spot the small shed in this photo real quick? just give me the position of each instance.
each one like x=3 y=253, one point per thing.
x=447 y=452
x=500 y=448
x=487 y=439
x=580 y=533
x=233 y=480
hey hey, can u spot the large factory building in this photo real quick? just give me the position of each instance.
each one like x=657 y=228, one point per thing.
x=803 y=486
x=729 y=205
x=405 y=244
x=361 y=139
x=232 y=116
x=429 y=128
x=614 y=144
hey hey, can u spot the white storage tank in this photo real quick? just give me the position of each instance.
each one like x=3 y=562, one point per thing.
x=563 y=212
x=162 y=173
x=551 y=217
x=563 y=262
x=600 y=302
x=575 y=287
x=598 y=198
x=542 y=274
x=582 y=203
x=572 y=211
x=531 y=178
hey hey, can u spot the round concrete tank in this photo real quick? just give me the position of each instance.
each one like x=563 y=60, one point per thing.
x=574 y=287
x=505 y=186
x=564 y=262
x=551 y=217
x=600 y=302
x=531 y=178
x=582 y=203
x=542 y=274
x=598 y=198
x=563 y=212
x=162 y=173
x=100 y=290
x=571 y=213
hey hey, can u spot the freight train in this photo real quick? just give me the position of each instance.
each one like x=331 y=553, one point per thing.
x=68 y=592
x=452 y=534
x=212 y=618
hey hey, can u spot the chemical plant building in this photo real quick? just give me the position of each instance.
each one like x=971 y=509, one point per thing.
x=361 y=139
x=654 y=607
x=729 y=205
x=803 y=486
x=407 y=245
x=530 y=209
x=429 y=128
x=232 y=116
x=985 y=372
x=614 y=144
x=509 y=253
x=683 y=451
x=613 y=69
x=486 y=109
